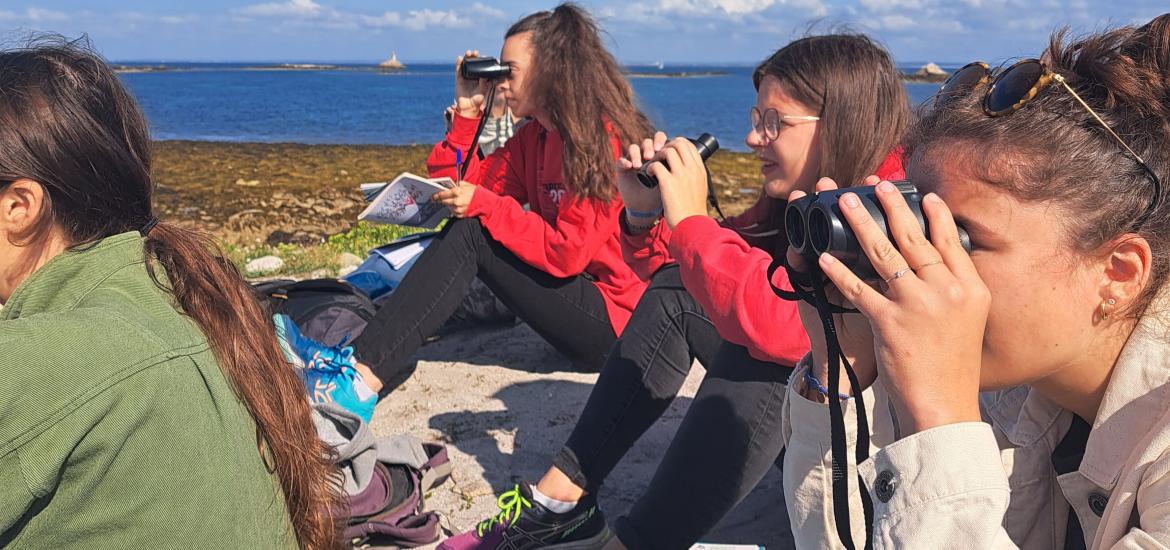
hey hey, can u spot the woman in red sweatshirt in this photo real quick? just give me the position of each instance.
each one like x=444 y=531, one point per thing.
x=557 y=265
x=825 y=106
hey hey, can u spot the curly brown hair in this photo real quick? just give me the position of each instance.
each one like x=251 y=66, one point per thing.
x=600 y=104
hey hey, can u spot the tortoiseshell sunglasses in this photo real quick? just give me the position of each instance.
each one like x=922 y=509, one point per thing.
x=1012 y=88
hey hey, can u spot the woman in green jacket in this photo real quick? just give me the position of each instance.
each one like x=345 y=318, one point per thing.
x=144 y=401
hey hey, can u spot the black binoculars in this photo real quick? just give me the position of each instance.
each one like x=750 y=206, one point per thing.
x=706 y=144
x=814 y=225
x=489 y=68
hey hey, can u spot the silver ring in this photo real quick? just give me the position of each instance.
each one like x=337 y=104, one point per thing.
x=899 y=274
x=928 y=264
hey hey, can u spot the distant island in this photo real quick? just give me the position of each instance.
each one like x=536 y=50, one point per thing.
x=929 y=73
x=141 y=68
x=678 y=74
x=392 y=64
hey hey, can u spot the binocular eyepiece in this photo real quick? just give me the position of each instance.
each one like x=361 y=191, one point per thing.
x=706 y=144
x=489 y=68
x=814 y=225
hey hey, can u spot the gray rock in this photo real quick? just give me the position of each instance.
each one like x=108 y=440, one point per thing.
x=347 y=260
x=262 y=265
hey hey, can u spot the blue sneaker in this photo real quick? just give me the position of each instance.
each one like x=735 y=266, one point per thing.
x=328 y=372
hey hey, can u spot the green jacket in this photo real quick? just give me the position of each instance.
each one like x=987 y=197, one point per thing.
x=117 y=428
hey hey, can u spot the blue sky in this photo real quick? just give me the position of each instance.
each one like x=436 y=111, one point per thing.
x=739 y=31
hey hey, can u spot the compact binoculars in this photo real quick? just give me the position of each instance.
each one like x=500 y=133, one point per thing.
x=814 y=225
x=488 y=68
x=706 y=144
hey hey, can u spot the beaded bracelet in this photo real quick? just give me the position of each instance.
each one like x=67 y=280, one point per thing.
x=815 y=384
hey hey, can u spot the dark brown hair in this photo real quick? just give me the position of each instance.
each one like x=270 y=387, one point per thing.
x=854 y=87
x=67 y=123
x=1053 y=151
x=581 y=88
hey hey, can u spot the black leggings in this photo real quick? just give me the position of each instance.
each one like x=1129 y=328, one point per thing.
x=725 y=444
x=569 y=313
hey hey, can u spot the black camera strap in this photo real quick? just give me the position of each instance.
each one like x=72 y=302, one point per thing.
x=488 y=100
x=810 y=288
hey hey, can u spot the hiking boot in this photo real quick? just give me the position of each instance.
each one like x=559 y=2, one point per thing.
x=327 y=372
x=523 y=524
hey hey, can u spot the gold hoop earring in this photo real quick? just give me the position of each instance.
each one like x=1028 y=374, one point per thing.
x=1104 y=313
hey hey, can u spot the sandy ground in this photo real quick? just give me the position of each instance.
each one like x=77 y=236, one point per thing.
x=506 y=413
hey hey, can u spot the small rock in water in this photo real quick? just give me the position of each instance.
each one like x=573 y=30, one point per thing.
x=932 y=69
x=265 y=264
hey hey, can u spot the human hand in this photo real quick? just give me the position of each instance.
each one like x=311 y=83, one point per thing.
x=682 y=181
x=457 y=198
x=637 y=197
x=928 y=324
x=469 y=94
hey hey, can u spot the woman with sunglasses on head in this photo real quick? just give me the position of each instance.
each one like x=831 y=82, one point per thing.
x=1028 y=380
x=713 y=303
x=145 y=398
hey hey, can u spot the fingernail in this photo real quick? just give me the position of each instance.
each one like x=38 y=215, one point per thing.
x=886 y=187
x=827 y=259
x=851 y=200
x=931 y=197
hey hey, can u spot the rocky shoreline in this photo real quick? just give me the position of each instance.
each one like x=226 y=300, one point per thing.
x=253 y=197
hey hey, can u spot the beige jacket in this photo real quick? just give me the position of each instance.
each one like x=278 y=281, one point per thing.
x=991 y=484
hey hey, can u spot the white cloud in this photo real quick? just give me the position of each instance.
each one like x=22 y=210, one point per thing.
x=293 y=8
x=40 y=14
x=309 y=12
x=743 y=6
x=387 y=19
x=4 y=15
x=734 y=9
x=885 y=5
x=487 y=11
x=423 y=19
x=178 y=19
x=896 y=22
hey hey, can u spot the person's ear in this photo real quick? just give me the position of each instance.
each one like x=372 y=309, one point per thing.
x=1126 y=267
x=22 y=206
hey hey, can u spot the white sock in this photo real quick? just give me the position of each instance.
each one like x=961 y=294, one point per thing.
x=554 y=505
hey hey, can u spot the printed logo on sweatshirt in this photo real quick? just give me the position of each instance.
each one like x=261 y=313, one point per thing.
x=554 y=191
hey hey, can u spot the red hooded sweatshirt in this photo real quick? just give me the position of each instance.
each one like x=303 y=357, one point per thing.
x=561 y=234
x=727 y=274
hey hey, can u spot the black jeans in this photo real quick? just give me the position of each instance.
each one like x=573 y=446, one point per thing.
x=645 y=370
x=725 y=444
x=569 y=313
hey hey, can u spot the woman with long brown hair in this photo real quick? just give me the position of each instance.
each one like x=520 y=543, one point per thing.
x=811 y=118
x=145 y=398
x=557 y=265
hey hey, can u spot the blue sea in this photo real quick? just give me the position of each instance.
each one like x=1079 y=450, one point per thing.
x=355 y=104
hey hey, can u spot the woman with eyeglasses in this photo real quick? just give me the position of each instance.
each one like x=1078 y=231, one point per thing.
x=825 y=105
x=1028 y=380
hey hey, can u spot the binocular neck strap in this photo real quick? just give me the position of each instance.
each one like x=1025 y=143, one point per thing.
x=488 y=101
x=817 y=296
